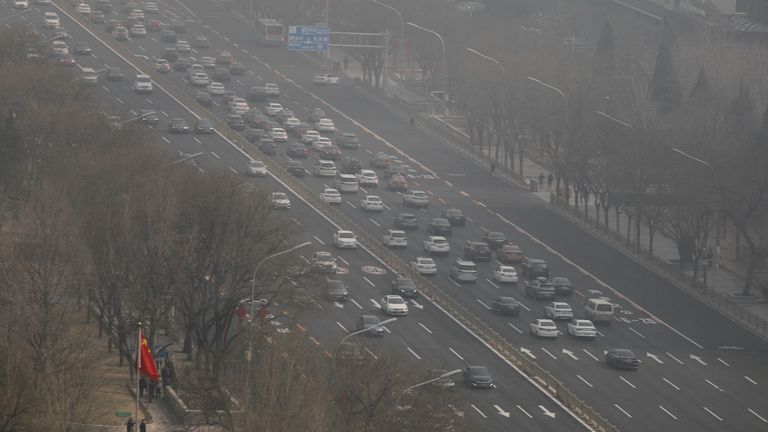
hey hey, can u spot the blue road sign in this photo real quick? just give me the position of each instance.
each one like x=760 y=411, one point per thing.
x=308 y=38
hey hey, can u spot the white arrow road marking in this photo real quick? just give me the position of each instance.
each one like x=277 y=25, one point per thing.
x=570 y=354
x=622 y=410
x=456 y=411
x=416 y=304
x=369 y=282
x=550 y=354
x=668 y=413
x=484 y=305
x=584 y=381
x=547 y=412
x=527 y=352
x=524 y=411
x=675 y=358
x=425 y=328
x=356 y=303
x=713 y=384
x=501 y=411
x=478 y=410
x=590 y=354
x=757 y=415
x=713 y=414
x=342 y=327
x=723 y=361
x=750 y=380
x=513 y=326
x=338 y=305
x=628 y=383
x=655 y=357
x=319 y=241
x=371 y=353
x=670 y=383
x=455 y=353
x=350 y=204
x=698 y=359
x=375 y=304
x=414 y=353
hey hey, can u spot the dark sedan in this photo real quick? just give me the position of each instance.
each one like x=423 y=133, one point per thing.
x=296 y=150
x=620 y=358
x=405 y=287
x=455 y=217
x=336 y=290
x=478 y=377
x=331 y=152
x=295 y=168
x=494 y=239
x=506 y=306
x=204 y=126
x=82 y=48
x=348 y=140
x=406 y=221
x=439 y=226
x=477 y=251
x=370 y=323
x=204 y=98
x=562 y=285
x=178 y=126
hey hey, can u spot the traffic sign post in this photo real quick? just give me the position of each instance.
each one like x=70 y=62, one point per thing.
x=308 y=38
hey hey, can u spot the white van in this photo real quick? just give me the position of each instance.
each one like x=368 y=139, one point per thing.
x=324 y=168
x=346 y=183
x=599 y=310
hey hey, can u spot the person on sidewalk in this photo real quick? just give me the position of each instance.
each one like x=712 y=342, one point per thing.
x=493 y=167
x=550 y=180
x=143 y=426
x=130 y=425
x=541 y=179
x=345 y=62
x=151 y=393
x=142 y=386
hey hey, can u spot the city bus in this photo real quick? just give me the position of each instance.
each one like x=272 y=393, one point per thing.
x=270 y=32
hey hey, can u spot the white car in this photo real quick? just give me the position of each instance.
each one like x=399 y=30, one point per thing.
x=136 y=14
x=143 y=84
x=274 y=109
x=208 y=62
x=50 y=20
x=90 y=76
x=424 y=266
x=280 y=200
x=582 y=328
x=271 y=89
x=201 y=79
x=395 y=238
x=345 y=240
x=416 y=198
x=83 y=9
x=216 y=88
x=309 y=136
x=278 y=135
x=558 y=310
x=505 y=274
x=59 y=47
x=195 y=68
x=394 y=305
x=324 y=261
x=321 y=143
x=368 y=177
x=292 y=123
x=326 y=79
x=325 y=125
x=183 y=47
x=437 y=244
x=257 y=168
x=372 y=203
x=324 y=168
x=543 y=328
x=331 y=196
x=138 y=30
x=20 y=4
x=151 y=8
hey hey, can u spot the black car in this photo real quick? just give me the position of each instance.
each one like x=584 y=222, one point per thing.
x=296 y=150
x=406 y=221
x=295 y=168
x=170 y=54
x=267 y=146
x=220 y=74
x=620 y=358
x=506 y=306
x=534 y=268
x=348 y=140
x=178 y=125
x=82 y=48
x=256 y=94
x=201 y=41
x=236 y=122
x=168 y=36
x=455 y=217
x=370 y=323
x=478 y=377
x=539 y=289
x=494 y=239
x=182 y=64
x=204 y=126
x=178 y=27
x=203 y=98
x=147 y=118
x=115 y=74
x=395 y=169
x=336 y=290
x=351 y=165
x=405 y=287
x=477 y=251
x=439 y=226
x=237 y=69
x=562 y=285
x=254 y=135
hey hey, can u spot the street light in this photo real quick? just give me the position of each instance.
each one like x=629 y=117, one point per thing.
x=185 y=157
x=409 y=389
x=401 y=45
x=444 y=71
x=97 y=72
x=380 y=324
x=489 y=58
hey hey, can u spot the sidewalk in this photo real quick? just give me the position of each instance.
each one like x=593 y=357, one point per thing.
x=723 y=282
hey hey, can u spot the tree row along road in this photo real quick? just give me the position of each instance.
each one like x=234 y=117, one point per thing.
x=471 y=308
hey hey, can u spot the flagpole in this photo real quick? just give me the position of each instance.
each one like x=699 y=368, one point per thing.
x=138 y=373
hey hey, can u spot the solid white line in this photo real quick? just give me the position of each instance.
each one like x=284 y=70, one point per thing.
x=478 y=410
x=750 y=380
x=590 y=354
x=670 y=383
x=668 y=413
x=456 y=354
x=374 y=222
x=425 y=328
x=675 y=358
x=622 y=410
x=513 y=326
x=371 y=353
x=217 y=156
x=341 y=258
x=628 y=383
x=585 y=381
x=355 y=303
x=757 y=415
x=320 y=241
x=414 y=353
x=484 y=305
x=713 y=414
x=713 y=384
x=549 y=353
x=636 y=332
x=369 y=282
x=722 y=361
x=342 y=327
x=524 y=411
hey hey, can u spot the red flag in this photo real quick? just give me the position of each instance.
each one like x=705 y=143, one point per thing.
x=146 y=361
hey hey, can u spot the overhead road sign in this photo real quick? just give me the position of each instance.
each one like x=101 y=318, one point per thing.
x=308 y=38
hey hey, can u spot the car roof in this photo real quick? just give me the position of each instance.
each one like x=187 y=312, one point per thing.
x=508 y=268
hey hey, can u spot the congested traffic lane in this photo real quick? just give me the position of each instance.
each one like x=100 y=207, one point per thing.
x=529 y=419
x=447 y=163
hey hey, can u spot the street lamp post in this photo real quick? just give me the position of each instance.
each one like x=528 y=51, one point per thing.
x=355 y=333
x=489 y=58
x=401 y=43
x=444 y=66
x=409 y=389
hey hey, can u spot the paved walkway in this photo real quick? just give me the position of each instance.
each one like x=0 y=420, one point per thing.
x=719 y=285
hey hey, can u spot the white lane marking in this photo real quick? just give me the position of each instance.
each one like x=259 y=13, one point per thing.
x=105 y=89
x=713 y=384
x=675 y=358
x=425 y=328
x=414 y=353
x=296 y=222
x=584 y=381
x=723 y=361
x=750 y=380
x=524 y=411
x=165 y=139
x=757 y=415
x=636 y=332
x=149 y=101
x=713 y=414
x=513 y=326
x=371 y=353
x=320 y=241
x=349 y=203
x=590 y=354
x=375 y=304
x=549 y=353
x=386 y=206
x=470 y=219
x=455 y=353
x=569 y=353
x=698 y=359
x=119 y=100
x=524 y=306
x=668 y=413
x=369 y=282
x=197 y=140
x=217 y=156
x=164 y=113
x=454 y=282
x=302 y=257
x=341 y=258
x=478 y=410
x=670 y=383
x=374 y=222
x=342 y=327
x=233 y=170
x=494 y=285
x=484 y=305
x=628 y=383
x=528 y=352
x=464 y=194
x=622 y=410
x=355 y=303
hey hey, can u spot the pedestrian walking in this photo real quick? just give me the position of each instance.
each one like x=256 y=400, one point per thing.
x=345 y=62
x=493 y=167
x=151 y=392
x=550 y=179
x=541 y=179
x=143 y=426
x=130 y=425
x=142 y=386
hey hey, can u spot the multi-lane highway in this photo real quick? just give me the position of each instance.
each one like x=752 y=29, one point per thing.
x=700 y=370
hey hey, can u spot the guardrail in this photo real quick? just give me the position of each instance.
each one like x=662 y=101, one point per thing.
x=454 y=309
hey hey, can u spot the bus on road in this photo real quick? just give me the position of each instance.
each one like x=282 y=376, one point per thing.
x=270 y=32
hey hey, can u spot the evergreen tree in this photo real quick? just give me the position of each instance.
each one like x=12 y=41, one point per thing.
x=11 y=153
x=665 y=86
x=701 y=87
x=604 y=61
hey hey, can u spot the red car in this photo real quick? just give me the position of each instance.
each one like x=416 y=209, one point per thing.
x=66 y=59
x=331 y=152
x=154 y=25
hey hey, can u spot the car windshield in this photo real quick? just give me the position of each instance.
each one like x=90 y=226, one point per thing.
x=257 y=164
x=478 y=371
x=395 y=300
x=440 y=241
x=346 y=235
x=370 y=320
x=398 y=234
x=280 y=195
x=406 y=283
x=507 y=300
x=496 y=236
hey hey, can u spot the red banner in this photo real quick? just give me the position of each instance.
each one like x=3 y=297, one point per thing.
x=146 y=361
